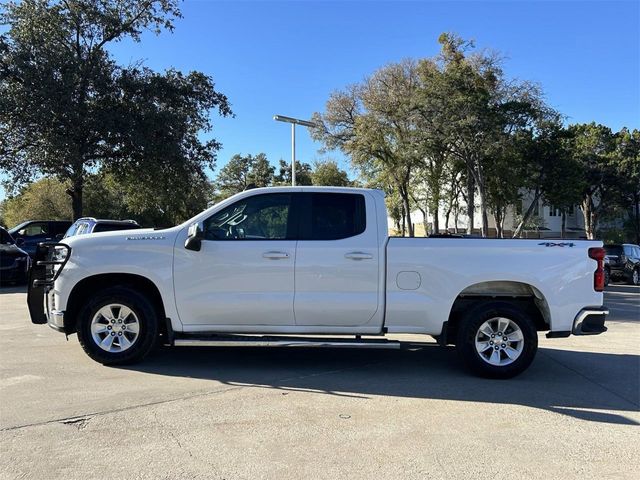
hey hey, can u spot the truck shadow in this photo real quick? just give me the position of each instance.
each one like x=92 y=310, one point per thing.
x=584 y=385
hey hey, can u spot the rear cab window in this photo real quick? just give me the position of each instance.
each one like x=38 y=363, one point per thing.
x=332 y=216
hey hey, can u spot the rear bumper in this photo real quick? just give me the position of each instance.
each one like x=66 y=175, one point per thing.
x=590 y=321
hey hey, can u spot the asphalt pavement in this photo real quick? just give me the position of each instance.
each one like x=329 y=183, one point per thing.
x=248 y=413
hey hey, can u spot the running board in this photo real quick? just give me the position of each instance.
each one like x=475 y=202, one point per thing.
x=262 y=341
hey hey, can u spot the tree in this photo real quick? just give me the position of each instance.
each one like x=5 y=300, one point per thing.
x=45 y=199
x=592 y=148
x=242 y=172
x=627 y=168
x=67 y=109
x=472 y=106
x=373 y=123
x=303 y=174
x=328 y=173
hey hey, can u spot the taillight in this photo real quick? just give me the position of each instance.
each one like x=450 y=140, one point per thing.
x=598 y=254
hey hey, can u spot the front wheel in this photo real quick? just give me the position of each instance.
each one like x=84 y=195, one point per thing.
x=497 y=340
x=118 y=326
x=635 y=277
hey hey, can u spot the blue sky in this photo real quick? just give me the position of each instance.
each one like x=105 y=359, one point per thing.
x=287 y=57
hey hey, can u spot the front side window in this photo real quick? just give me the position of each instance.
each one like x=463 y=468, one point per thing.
x=335 y=216
x=34 y=229
x=261 y=217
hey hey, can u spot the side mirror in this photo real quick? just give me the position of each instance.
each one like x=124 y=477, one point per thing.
x=19 y=242
x=194 y=237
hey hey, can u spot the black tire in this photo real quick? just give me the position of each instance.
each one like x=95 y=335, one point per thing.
x=636 y=280
x=143 y=310
x=607 y=277
x=469 y=326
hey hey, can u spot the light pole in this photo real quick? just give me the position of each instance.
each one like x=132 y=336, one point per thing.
x=293 y=122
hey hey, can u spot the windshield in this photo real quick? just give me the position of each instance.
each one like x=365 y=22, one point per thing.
x=5 y=238
x=613 y=249
x=17 y=227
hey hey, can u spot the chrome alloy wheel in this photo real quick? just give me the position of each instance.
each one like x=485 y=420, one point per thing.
x=115 y=328
x=499 y=341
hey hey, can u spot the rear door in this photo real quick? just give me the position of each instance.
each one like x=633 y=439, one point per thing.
x=337 y=261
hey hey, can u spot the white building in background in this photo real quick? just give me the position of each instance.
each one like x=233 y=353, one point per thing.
x=548 y=219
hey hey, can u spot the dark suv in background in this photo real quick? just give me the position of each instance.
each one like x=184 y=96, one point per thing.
x=14 y=262
x=623 y=262
x=85 y=225
x=33 y=232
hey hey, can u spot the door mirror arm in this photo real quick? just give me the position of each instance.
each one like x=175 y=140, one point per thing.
x=194 y=237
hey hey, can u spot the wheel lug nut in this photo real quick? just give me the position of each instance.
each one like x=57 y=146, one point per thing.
x=119 y=321
x=109 y=327
x=490 y=343
x=492 y=335
x=120 y=333
x=113 y=321
x=113 y=333
x=496 y=347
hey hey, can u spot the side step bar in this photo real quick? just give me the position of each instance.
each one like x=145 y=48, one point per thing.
x=263 y=341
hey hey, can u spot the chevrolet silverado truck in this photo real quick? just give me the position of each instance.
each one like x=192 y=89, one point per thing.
x=314 y=266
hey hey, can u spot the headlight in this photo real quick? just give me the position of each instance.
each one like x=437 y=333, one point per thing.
x=60 y=253
x=58 y=256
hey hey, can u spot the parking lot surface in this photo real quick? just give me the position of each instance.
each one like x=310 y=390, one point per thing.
x=311 y=413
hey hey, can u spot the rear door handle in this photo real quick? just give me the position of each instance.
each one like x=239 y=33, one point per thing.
x=358 y=256
x=275 y=255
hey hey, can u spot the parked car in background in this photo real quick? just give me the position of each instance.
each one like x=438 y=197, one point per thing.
x=14 y=262
x=85 y=225
x=33 y=232
x=624 y=262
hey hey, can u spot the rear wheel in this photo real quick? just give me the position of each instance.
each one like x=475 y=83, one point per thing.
x=497 y=340
x=118 y=326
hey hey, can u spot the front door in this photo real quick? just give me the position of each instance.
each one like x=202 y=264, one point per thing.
x=244 y=273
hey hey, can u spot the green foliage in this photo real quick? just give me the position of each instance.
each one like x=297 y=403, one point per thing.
x=66 y=108
x=45 y=199
x=303 y=174
x=328 y=173
x=242 y=172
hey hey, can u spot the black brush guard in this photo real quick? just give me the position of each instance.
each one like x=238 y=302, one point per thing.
x=41 y=278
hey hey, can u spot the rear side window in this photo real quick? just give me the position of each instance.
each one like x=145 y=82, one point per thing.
x=335 y=216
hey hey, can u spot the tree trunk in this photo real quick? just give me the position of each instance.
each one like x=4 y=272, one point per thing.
x=482 y=193
x=407 y=212
x=636 y=202
x=527 y=215
x=499 y=219
x=76 y=198
x=471 y=187
x=563 y=224
x=589 y=215
x=436 y=221
x=404 y=222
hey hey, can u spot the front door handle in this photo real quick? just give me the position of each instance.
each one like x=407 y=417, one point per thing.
x=275 y=255
x=358 y=256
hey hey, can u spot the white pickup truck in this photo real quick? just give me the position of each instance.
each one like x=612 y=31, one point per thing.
x=314 y=266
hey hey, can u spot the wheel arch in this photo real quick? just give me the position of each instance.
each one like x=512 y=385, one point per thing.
x=524 y=295
x=94 y=283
